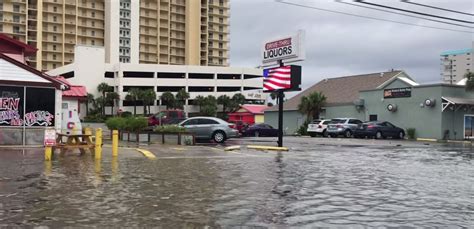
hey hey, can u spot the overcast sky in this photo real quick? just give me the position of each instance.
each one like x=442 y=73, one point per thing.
x=339 y=45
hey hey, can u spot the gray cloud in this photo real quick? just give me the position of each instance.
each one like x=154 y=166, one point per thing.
x=338 y=45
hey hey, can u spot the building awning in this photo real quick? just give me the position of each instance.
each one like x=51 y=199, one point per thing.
x=456 y=102
x=74 y=91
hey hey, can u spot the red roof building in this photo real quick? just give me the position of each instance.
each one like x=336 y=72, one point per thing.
x=248 y=114
x=15 y=49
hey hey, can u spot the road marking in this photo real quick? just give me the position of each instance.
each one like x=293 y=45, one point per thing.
x=147 y=153
x=267 y=148
x=232 y=148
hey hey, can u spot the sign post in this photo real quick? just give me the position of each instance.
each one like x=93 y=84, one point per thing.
x=49 y=142
x=282 y=78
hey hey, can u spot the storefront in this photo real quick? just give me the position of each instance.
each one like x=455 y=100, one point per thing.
x=30 y=101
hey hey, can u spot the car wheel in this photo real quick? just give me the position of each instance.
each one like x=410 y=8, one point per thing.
x=325 y=133
x=401 y=135
x=378 y=135
x=347 y=134
x=312 y=134
x=257 y=134
x=219 y=136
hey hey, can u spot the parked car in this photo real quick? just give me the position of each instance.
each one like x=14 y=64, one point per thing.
x=210 y=128
x=343 y=126
x=318 y=127
x=380 y=129
x=260 y=130
x=166 y=117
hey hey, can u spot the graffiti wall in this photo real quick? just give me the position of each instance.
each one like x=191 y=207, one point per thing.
x=38 y=107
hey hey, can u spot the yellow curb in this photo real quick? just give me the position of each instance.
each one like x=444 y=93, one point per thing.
x=179 y=149
x=232 y=148
x=147 y=154
x=267 y=148
x=456 y=141
x=426 y=140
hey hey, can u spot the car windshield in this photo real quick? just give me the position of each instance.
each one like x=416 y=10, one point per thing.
x=337 y=121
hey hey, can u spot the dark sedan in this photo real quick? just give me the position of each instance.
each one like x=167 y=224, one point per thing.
x=379 y=130
x=260 y=130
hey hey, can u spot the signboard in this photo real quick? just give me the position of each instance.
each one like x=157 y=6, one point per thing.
x=40 y=107
x=49 y=137
x=397 y=93
x=287 y=78
x=11 y=106
x=287 y=49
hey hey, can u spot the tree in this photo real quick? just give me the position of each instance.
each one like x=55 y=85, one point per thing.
x=89 y=100
x=103 y=88
x=312 y=104
x=181 y=98
x=148 y=97
x=111 y=99
x=200 y=100
x=168 y=99
x=133 y=95
x=237 y=100
x=209 y=107
x=225 y=101
x=469 y=81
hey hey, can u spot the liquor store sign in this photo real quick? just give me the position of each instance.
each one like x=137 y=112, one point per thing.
x=287 y=49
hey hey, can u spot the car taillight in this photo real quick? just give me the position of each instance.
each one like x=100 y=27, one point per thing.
x=339 y=126
x=232 y=126
x=370 y=126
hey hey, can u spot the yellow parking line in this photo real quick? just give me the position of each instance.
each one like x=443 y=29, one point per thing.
x=147 y=154
x=267 y=148
x=232 y=148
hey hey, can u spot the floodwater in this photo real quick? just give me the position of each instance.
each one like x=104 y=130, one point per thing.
x=311 y=186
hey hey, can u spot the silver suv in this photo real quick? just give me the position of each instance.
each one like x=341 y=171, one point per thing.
x=210 y=128
x=343 y=126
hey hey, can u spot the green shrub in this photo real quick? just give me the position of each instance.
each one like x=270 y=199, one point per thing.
x=134 y=124
x=170 y=129
x=126 y=114
x=116 y=123
x=411 y=133
x=303 y=129
x=94 y=118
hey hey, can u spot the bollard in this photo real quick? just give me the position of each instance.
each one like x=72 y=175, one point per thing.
x=115 y=143
x=48 y=153
x=98 y=144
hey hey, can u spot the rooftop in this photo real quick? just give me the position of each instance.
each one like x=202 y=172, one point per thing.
x=456 y=52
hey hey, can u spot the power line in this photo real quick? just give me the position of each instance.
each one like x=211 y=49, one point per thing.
x=413 y=12
x=435 y=7
x=373 y=18
x=408 y=15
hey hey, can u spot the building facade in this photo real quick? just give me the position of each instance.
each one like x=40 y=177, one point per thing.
x=456 y=63
x=90 y=69
x=191 y=32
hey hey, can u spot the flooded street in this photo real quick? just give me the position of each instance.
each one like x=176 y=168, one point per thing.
x=309 y=186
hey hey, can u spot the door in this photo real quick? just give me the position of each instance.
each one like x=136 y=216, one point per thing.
x=469 y=126
x=191 y=126
x=391 y=129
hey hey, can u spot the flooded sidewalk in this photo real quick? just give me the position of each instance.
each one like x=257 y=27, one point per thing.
x=311 y=185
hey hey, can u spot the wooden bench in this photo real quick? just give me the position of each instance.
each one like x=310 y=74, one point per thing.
x=74 y=141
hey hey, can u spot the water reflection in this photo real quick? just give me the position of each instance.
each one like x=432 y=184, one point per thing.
x=311 y=187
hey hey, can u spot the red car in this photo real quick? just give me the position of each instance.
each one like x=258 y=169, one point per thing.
x=166 y=117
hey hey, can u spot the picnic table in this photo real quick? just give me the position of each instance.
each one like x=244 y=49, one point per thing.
x=74 y=141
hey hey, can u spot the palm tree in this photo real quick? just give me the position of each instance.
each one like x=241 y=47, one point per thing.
x=470 y=81
x=237 y=100
x=103 y=88
x=168 y=99
x=312 y=104
x=89 y=99
x=200 y=100
x=133 y=95
x=181 y=98
x=225 y=101
x=112 y=98
x=148 y=97
x=209 y=108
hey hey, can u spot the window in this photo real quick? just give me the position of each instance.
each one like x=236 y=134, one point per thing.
x=1 y=27
x=221 y=62
x=93 y=23
x=54 y=56
x=93 y=5
x=92 y=42
x=203 y=121
x=16 y=8
x=55 y=28
x=221 y=45
x=221 y=37
x=93 y=14
x=54 y=47
x=93 y=33
x=221 y=20
x=54 y=65
x=55 y=9
x=54 y=38
x=55 y=18
x=16 y=18
x=221 y=11
x=220 y=53
x=354 y=121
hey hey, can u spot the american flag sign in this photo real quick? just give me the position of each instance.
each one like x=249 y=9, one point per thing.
x=277 y=78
